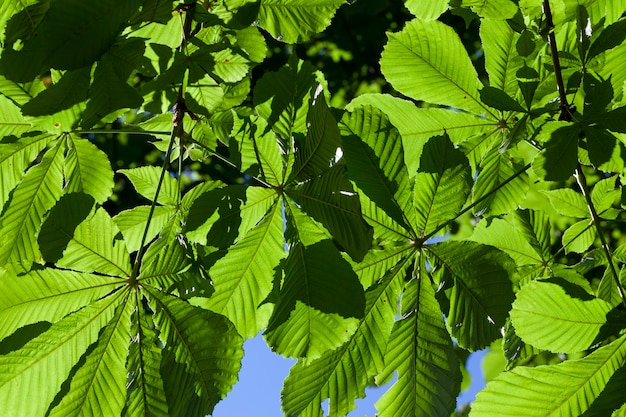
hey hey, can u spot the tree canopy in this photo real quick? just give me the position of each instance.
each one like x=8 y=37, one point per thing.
x=378 y=188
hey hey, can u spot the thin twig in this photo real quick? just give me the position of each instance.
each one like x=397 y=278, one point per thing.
x=582 y=183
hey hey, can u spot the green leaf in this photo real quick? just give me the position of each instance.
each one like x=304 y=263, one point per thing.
x=23 y=13
x=295 y=21
x=605 y=151
x=145 y=180
x=44 y=362
x=24 y=213
x=496 y=170
x=342 y=375
x=417 y=125
x=567 y=202
x=568 y=388
x=220 y=216
x=315 y=153
x=202 y=355
x=12 y=123
x=373 y=152
x=104 y=371
x=612 y=36
x=95 y=29
x=557 y=161
x=547 y=317
x=331 y=200
x=319 y=296
x=427 y=11
x=282 y=98
x=420 y=349
x=481 y=294
x=442 y=185
x=87 y=170
x=433 y=50
x=110 y=91
x=132 y=223
x=47 y=295
x=495 y=9
x=510 y=239
x=579 y=236
x=204 y=95
x=499 y=99
x=71 y=89
x=146 y=396
x=86 y=238
x=15 y=158
x=501 y=58
x=244 y=277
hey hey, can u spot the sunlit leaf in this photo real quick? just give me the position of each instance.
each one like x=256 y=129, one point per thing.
x=481 y=293
x=244 y=277
x=45 y=361
x=447 y=76
x=442 y=184
x=24 y=213
x=295 y=21
x=341 y=375
x=547 y=317
x=420 y=349
x=568 y=388
x=201 y=357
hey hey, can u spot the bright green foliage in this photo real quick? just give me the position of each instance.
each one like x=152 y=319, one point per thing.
x=271 y=205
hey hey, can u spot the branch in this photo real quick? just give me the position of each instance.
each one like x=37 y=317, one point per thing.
x=566 y=114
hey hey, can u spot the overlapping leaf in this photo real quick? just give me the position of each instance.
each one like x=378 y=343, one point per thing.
x=545 y=316
x=342 y=375
x=568 y=388
x=420 y=349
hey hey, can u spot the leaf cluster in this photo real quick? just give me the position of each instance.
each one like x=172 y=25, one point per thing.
x=390 y=236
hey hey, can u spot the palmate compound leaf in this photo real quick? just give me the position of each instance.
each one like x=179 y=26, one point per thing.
x=372 y=148
x=38 y=191
x=201 y=357
x=547 y=317
x=98 y=387
x=566 y=389
x=442 y=184
x=320 y=300
x=416 y=124
x=295 y=21
x=244 y=277
x=44 y=362
x=47 y=295
x=481 y=291
x=433 y=50
x=342 y=374
x=420 y=349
